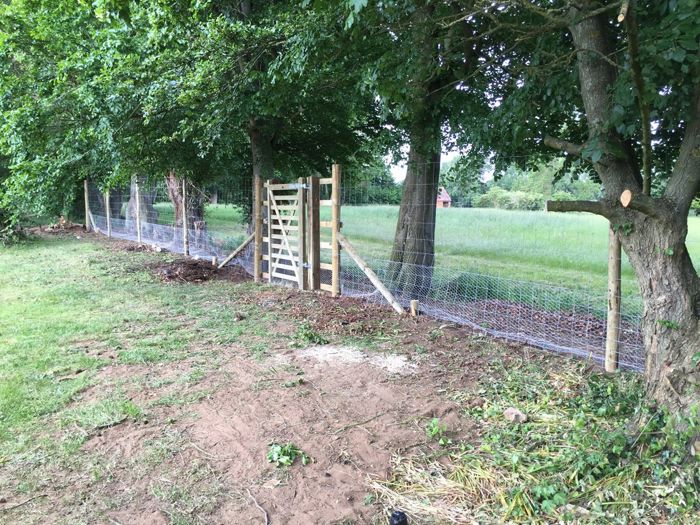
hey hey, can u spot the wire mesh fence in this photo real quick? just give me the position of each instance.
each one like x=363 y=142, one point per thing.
x=526 y=276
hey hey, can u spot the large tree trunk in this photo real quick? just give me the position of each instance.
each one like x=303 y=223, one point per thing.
x=413 y=254
x=652 y=230
x=670 y=288
x=261 y=136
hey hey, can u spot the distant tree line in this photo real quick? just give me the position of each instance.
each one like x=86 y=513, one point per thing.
x=516 y=188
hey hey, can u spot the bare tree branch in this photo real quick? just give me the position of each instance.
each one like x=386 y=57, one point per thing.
x=595 y=207
x=563 y=145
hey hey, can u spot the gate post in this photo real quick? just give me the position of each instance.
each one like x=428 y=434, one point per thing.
x=257 y=212
x=335 y=219
x=314 y=235
x=301 y=239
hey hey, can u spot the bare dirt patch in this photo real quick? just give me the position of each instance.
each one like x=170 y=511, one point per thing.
x=349 y=416
x=198 y=271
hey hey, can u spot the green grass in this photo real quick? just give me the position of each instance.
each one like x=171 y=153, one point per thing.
x=68 y=308
x=572 y=460
x=225 y=223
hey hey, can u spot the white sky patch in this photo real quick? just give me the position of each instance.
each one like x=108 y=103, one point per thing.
x=398 y=169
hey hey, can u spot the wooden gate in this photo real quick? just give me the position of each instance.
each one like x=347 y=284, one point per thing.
x=288 y=240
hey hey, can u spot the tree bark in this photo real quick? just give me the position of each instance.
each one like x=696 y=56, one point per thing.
x=195 y=213
x=652 y=235
x=413 y=254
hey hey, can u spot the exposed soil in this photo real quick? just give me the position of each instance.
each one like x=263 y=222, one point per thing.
x=197 y=271
x=199 y=450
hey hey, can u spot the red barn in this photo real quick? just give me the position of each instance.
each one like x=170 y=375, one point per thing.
x=443 y=199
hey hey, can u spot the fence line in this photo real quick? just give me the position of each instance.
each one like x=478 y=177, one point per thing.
x=467 y=284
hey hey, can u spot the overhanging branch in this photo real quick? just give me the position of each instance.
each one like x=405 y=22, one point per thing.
x=563 y=145
x=595 y=207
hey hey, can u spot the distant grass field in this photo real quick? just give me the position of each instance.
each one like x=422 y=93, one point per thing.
x=561 y=249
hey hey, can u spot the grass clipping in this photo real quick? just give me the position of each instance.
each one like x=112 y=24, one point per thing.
x=573 y=461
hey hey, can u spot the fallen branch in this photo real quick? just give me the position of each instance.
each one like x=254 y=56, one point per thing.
x=267 y=519
x=12 y=507
x=359 y=423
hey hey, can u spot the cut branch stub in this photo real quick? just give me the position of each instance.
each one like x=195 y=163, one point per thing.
x=626 y=198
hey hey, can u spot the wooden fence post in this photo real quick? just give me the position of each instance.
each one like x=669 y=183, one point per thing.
x=109 y=214
x=87 y=205
x=257 y=212
x=301 y=239
x=138 y=211
x=314 y=234
x=614 y=295
x=185 y=230
x=335 y=219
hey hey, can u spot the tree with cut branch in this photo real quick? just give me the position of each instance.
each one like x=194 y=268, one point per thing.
x=616 y=88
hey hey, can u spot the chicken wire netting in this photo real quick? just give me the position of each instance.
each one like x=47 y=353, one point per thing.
x=218 y=217
x=526 y=276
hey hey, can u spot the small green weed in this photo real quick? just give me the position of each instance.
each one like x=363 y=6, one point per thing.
x=306 y=336
x=285 y=455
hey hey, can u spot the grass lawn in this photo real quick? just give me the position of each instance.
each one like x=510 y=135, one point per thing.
x=127 y=399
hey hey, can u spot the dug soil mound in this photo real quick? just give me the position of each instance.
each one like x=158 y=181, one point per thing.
x=198 y=271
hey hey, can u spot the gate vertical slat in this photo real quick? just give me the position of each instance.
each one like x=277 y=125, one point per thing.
x=314 y=234
x=270 y=221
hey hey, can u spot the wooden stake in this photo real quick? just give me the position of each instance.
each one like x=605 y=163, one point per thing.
x=185 y=230
x=314 y=234
x=109 y=215
x=138 y=211
x=87 y=205
x=414 y=308
x=214 y=261
x=613 y=329
x=335 y=231
x=370 y=274
x=301 y=221
x=258 y=230
x=238 y=250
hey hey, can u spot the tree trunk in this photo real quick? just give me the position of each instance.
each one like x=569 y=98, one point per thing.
x=670 y=289
x=652 y=230
x=195 y=213
x=413 y=254
x=261 y=136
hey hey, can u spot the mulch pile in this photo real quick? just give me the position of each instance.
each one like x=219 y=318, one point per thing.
x=198 y=271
